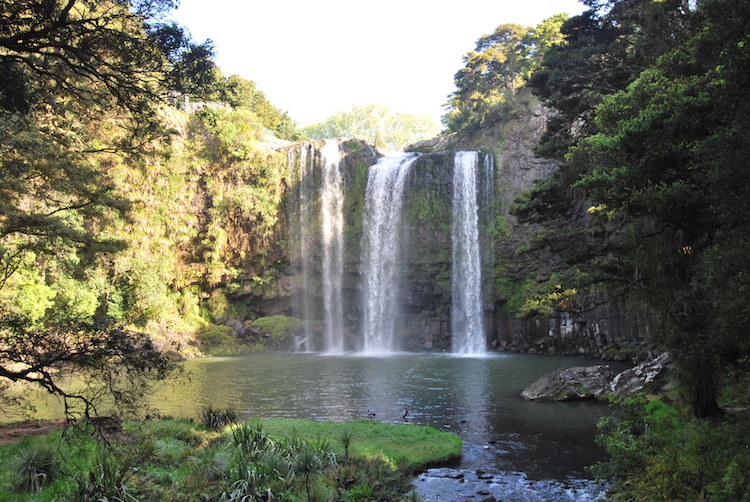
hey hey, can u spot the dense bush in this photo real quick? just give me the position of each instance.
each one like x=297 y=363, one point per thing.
x=34 y=467
x=216 y=419
x=659 y=453
x=278 y=326
x=214 y=335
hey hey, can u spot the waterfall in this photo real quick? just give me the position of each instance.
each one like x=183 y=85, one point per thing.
x=301 y=172
x=317 y=238
x=467 y=326
x=380 y=248
x=332 y=239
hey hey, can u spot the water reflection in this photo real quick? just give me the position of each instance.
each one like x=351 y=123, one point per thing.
x=477 y=398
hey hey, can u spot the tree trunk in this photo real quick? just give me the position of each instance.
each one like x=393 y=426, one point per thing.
x=702 y=387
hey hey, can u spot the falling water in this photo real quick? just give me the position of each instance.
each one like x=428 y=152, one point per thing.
x=466 y=312
x=380 y=247
x=332 y=237
x=302 y=173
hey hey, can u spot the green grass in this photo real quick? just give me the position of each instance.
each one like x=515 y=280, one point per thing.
x=407 y=446
x=169 y=460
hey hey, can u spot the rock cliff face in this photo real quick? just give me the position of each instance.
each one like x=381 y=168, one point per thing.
x=424 y=288
x=425 y=297
x=609 y=330
x=512 y=142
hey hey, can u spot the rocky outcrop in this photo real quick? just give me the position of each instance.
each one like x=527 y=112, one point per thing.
x=581 y=382
x=652 y=375
x=599 y=382
x=609 y=332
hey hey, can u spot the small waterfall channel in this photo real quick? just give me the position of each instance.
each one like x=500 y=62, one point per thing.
x=317 y=227
x=467 y=326
x=380 y=248
x=332 y=231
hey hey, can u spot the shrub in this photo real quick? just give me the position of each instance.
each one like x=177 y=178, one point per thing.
x=105 y=481
x=278 y=326
x=34 y=467
x=211 y=462
x=215 y=335
x=345 y=437
x=657 y=453
x=249 y=437
x=216 y=419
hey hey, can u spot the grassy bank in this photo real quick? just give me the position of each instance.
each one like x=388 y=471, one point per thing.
x=182 y=460
x=406 y=447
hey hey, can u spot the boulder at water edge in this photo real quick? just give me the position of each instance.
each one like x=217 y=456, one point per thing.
x=653 y=373
x=581 y=382
x=599 y=382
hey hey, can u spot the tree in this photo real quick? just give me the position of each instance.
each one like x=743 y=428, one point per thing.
x=243 y=93
x=661 y=162
x=115 y=366
x=604 y=50
x=661 y=159
x=195 y=73
x=52 y=48
x=398 y=129
x=496 y=69
x=81 y=83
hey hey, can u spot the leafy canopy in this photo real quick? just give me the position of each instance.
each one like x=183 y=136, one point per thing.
x=373 y=121
x=81 y=83
x=495 y=70
x=652 y=111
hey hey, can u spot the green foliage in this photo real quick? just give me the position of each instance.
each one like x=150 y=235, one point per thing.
x=242 y=93
x=368 y=122
x=118 y=366
x=558 y=293
x=34 y=467
x=195 y=73
x=175 y=460
x=236 y=132
x=408 y=447
x=659 y=454
x=216 y=419
x=105 y=480
x=495 y=71
x=26 y=295
x=214 y=335
x=651 y=103
x=218 y=307
x=278 y=326
x=345 y=437
x=82 y=182
x=211 y=462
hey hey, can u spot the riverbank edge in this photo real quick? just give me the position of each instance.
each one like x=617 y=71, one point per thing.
x=407 y=449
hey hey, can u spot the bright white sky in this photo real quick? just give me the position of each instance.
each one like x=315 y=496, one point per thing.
x=314 y=58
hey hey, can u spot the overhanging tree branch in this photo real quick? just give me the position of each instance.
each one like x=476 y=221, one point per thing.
x=121 y=363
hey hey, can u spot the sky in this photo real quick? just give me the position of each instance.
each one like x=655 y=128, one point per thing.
x=317 y=57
